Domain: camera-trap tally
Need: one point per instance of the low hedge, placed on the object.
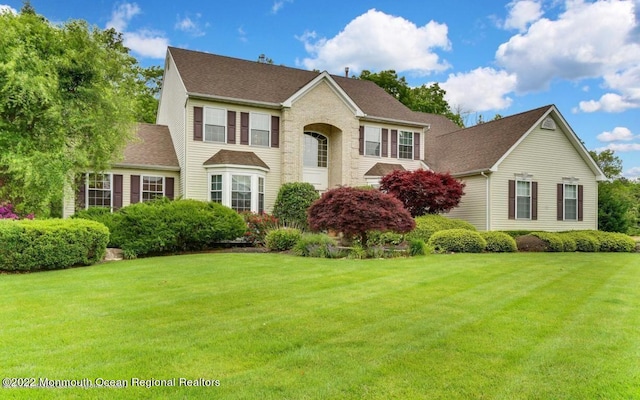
(102, 215)
(457, 241)
(499, 242)
(31, 245)
(553, 241)
(613, 241)
(584, 241)
(165, 226)
(282, 239)
(318, 245)
(427, 225)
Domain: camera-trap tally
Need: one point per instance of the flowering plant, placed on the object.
(7, 212)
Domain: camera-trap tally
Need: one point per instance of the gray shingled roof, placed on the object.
(241, 80)
(224, 157)
(478, 147)
(382, 169)
(154, 148)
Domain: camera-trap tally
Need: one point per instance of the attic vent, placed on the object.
(549, 124)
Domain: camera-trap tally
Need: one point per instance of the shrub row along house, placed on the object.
(233, 131)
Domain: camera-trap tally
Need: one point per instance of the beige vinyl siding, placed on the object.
(199, 151)
(69, 200)
(473, 205)
(549, 156)
(171, 112)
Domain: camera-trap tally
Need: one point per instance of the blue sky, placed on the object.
(491, 57)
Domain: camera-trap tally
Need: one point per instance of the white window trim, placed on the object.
(204, 125)
(564, 201)
(142, 185)
(412, 145)
(251, 114)
(227, 172)
(530, 199)
(86, 189)
(379, 141)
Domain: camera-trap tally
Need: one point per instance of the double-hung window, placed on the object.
(570, 202)
(405, 145)
(523, 199)
(260, 128)
(260, 195)
(215, 122)
(372, 137)
(99, 190)
(241, 192)
(216, 188)
(239, 189)
(152, 187)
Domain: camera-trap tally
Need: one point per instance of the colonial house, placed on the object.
(233, 131)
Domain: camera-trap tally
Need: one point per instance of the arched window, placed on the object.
(315, 150)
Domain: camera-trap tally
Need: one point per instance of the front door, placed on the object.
(315, 160)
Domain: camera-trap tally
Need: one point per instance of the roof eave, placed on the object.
(147, 167)
(232, 100)
(395, 121)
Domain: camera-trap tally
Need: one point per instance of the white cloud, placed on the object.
(633, 173)
(378, 41)
(6, 8)
(627, 83)
(620, 147)
(589, 39)
(521, 14)
(121, 16)
(278, 4)
(618, 133)
(190, 26)
(144, 42)
(482, 89)
(609, 102)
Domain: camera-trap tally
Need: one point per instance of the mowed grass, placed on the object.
(273, 326)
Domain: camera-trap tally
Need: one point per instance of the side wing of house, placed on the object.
(545, 183)
(473, 206)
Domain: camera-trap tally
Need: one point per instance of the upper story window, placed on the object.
(260, 129)
(215, 122)
(372, 137)
(99, 190)
(405, 145)
(152, 187)
(523, 199)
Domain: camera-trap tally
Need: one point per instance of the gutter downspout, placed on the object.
(487, 199)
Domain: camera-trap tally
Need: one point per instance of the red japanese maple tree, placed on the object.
(355, 211)
(422, 191)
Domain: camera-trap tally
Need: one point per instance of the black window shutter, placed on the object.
(117, 192)
(275, 131)
(135, 189)
(385, 142)
(580, 202)
(244, 128)
(361, 141)
(197, 123)
(534, 200)
(231, 127)
(416, 145)
(81, 201)
(394, 143)
(512, 199)
(168, 187)
(560, 202)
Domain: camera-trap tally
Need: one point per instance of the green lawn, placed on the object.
(272, 326)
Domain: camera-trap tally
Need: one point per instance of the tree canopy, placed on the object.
(609, 163)
(427, 99)
(68, 103)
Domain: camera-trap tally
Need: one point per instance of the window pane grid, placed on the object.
(216, 188)
(523, 200)
(570, 202)
(260, 195)
(315, 150)
(372, 141)
(405, 145)
(214, 124)
(241, 193)
(99, 190)
(152, 187)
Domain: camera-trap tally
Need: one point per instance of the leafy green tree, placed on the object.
(294, 198)
(615, 207)
(67, 104)
(428, 99)
(149, 86)
(608, 162)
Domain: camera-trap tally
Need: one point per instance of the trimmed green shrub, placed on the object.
(427, 225)
(515, 234)
(585, 242)
(282, 239)
(163, 226)
(457, 241)
(31, 245)
(569, 244)
(294, 198)
(499, 242)
(377, 238)
(317, 245)
(614, 242)
(102, 215)
(552, 240)
(417, 247)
